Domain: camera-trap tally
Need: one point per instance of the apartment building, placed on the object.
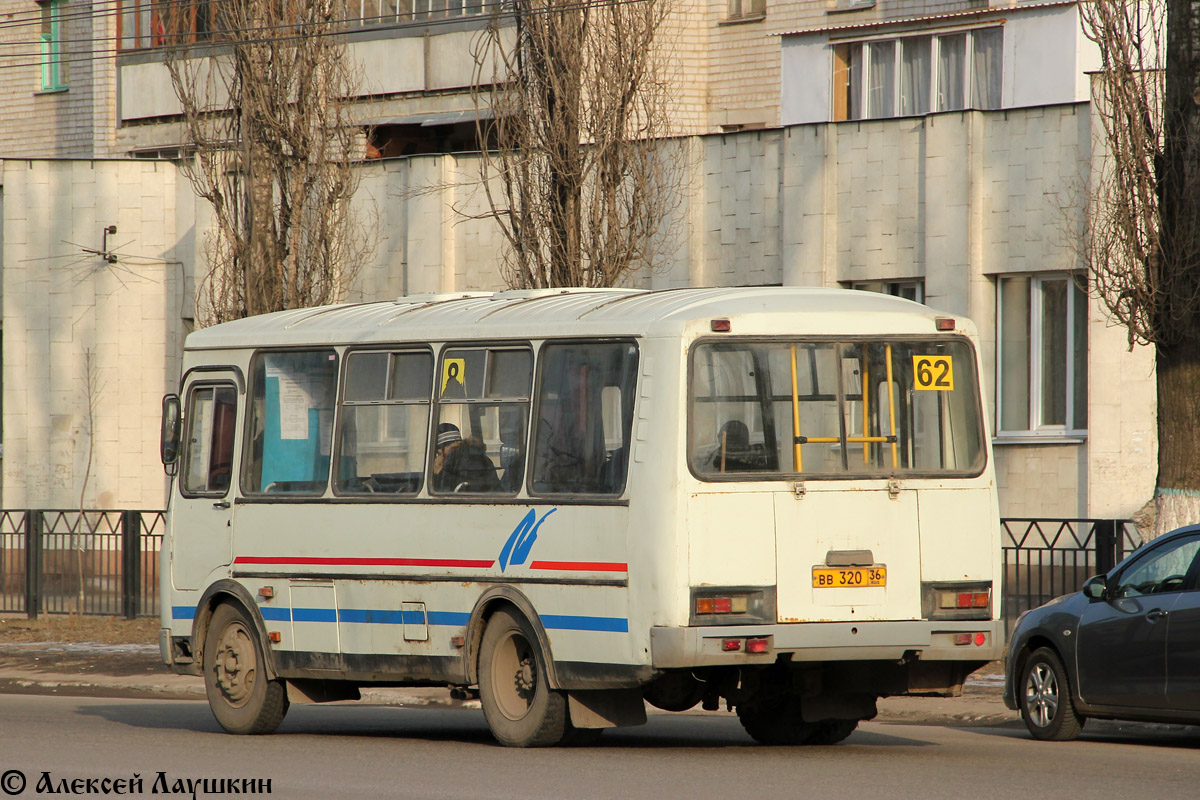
(936, 150)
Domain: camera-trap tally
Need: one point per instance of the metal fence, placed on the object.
(106, 562)
(1044, 558)
(80, 562)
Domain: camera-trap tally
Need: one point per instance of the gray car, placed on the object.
(1125, 647)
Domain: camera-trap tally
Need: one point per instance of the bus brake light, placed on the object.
(731, 645)
(759, 645)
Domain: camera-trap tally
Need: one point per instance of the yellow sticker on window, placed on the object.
(933, 373)
(454, 371)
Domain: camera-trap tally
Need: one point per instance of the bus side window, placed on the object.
(384, 422)
(291, 422)
(585, 416)
(482, 412)
(208, 462)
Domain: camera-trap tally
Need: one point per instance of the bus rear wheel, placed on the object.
(776, 723)
(520, 707)
(240, 695)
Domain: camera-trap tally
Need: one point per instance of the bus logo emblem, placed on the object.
(520, 542)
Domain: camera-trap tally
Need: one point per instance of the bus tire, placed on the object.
(520, 707)
(832, 731)
(240, 695)
(777, 723)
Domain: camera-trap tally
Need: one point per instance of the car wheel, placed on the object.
(1046, 704)
(240, 695)
(520, 707)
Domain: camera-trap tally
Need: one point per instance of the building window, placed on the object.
(913, 75)
(1041, 380)
(910, 290)
(747, 9)
(53, 59)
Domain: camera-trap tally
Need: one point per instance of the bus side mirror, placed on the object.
(169, 438)
(1096, 587)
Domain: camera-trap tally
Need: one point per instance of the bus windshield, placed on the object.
(834, 409)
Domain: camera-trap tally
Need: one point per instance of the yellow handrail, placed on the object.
(866, 382)
(892, 408)
(797, 458)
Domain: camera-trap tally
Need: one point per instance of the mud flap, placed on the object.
(607, 708)
(838, 706)
(308, 690)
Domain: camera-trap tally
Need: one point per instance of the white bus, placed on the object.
(574, 502)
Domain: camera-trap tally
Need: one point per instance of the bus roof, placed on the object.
(574, 312)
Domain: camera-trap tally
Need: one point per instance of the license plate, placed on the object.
(848, 577)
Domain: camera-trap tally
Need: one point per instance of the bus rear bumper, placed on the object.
(726, 645)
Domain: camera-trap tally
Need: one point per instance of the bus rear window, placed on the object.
(878, 407)
(291, 422)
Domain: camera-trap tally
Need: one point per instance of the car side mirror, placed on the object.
(169, 437)
(1096, 587)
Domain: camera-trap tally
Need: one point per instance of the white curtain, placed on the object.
(952, 53)
(985, 69)
(881, 91)
(1013, 371)
(914, 75)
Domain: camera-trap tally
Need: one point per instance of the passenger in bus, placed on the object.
(512, 456)
(733, 452)
(462, 465)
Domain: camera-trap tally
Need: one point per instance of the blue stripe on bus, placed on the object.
(457, 618)
(565, 622)
(558, 622)
(380, 616)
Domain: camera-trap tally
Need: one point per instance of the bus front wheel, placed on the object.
(520, 707)
(240, 695)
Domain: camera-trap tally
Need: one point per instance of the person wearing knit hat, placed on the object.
(447, 434)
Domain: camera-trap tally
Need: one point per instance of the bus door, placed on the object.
(201, 515)
(847, 555)
(855, 431)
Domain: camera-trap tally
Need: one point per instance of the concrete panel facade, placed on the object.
(954, 200)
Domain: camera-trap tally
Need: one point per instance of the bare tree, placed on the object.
(1144, 220)
(264, 86)
(576, 173)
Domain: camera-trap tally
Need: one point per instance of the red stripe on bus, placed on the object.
(582, 566)
(368, 562)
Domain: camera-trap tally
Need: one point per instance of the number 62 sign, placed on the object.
(933, 373)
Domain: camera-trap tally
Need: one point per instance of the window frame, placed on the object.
(893, 288)
(400, 348)
(618, 498)
(185, 450)
(1036, 428)
(849, 475)
(841, 73)
(435, 416)
(245, 466)
(51, 47)
(746, 10)
(1166, 548)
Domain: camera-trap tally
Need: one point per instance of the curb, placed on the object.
(978, 708)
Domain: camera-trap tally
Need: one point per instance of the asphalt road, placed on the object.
(372, 752)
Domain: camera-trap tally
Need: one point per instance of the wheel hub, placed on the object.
(235, 665)
(1041, 695)
(516, 676)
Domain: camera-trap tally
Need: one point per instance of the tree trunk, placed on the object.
(1176, 499)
